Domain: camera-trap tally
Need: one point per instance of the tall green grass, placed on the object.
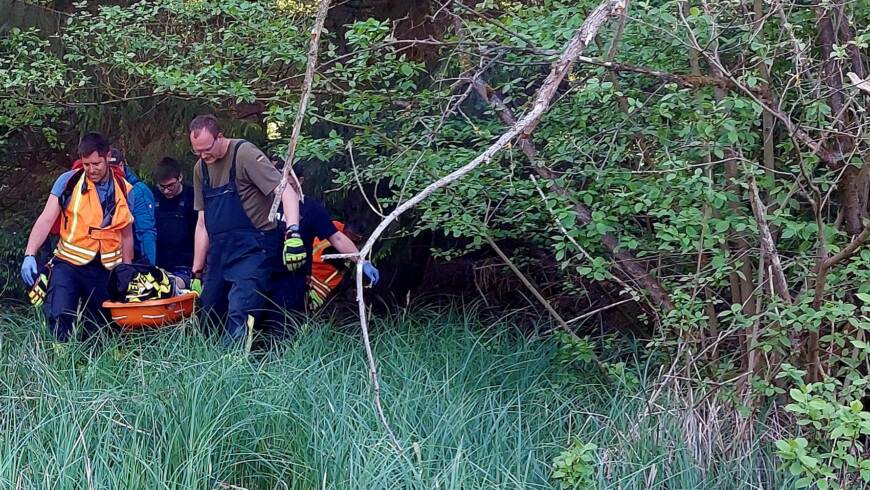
(475, 404)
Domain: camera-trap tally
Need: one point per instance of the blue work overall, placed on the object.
(239, 260)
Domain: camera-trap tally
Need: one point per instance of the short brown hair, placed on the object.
(93, 142)
(207, 122)
(167, 168)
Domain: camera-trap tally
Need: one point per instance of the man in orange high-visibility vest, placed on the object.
(96, 234)
(326, 275)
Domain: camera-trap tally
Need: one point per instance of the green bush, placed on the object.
(11, 252)
(576, 466)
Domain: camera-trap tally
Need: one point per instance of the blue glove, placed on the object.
(29, 270)
(371, 272)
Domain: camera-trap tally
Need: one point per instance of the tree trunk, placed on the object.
(832, 21)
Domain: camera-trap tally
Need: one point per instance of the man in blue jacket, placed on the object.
(144, 226)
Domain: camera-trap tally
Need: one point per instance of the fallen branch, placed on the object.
(582, 37)
(300, 114)
(531, 287)
(768, 246)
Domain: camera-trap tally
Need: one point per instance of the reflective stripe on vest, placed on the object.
(81, 237)
(324, 276)
(324, 288)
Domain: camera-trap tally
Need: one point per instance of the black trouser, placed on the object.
(286, 302)
(73, 289)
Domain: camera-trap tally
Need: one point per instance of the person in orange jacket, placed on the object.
(96, 234)
(326, 275)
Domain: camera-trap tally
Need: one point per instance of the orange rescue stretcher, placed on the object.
(152, 314)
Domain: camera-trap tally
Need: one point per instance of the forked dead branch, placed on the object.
(522, 129)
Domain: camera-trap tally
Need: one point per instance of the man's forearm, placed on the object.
(37, 236)
(200, 247)
(127, 252)
(290, 205)
(344, 245)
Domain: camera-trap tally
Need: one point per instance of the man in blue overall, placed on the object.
(236, 247)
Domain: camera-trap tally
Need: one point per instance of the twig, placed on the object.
(300, 114)
(858, 83)
(373, 368)
(599, 310)
(849, 249)
(531, 287)
(362, 191)
(826, 264)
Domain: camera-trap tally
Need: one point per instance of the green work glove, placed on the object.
(314, 300)
(294, 249)
(196, 283)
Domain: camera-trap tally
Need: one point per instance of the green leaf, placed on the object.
(803, 482)
(782, 446)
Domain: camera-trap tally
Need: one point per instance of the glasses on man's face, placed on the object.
(167, 187)
(207, 151)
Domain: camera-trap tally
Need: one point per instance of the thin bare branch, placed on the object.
(303, 103)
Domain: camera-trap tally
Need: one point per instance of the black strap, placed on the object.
(206, 179)
(67, 192)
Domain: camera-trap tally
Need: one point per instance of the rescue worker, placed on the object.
(96, 234)
(235, 245)
(326, 274)
(289, 288)
(175, 216)
(141, 202)
(142, 207)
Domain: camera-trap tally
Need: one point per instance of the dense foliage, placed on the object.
(707, 160)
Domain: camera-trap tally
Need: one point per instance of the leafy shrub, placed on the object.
(835, 455)
(575, 466)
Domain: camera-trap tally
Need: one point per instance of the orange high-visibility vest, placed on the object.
(324, 276)
(81, 236)
(77, 165)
